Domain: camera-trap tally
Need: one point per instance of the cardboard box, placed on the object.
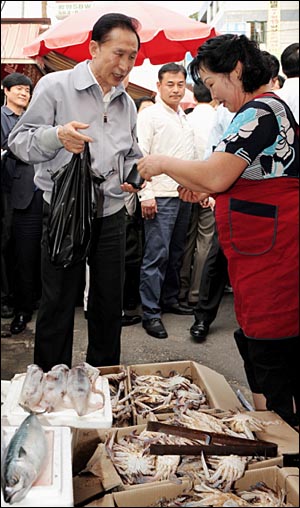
(85, 442)
(278, 432)
(218, 392)
(150, 494)
(106, 501)
(98, 476)
(54, 486)
(93, 471)
(274, 477)
(15, 414)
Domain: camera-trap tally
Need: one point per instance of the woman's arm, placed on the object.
(215, 174)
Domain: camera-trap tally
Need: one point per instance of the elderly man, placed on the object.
(68, 108)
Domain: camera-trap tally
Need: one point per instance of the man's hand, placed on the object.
(148, 208)
(73, 140)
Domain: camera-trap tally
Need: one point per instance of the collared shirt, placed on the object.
(108, 95)
(201, 120)
(290, 94)
(161, 130)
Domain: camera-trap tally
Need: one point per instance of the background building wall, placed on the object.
(275, 25)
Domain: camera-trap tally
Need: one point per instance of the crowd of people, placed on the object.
(217, 208)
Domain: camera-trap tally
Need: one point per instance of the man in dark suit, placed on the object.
(23, 212)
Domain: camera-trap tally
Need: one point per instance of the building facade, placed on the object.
(275, 25)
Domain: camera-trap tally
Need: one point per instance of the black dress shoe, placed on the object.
(199, 330)
(155, 328)
(18, 324)
(130, 320)
(176, 308)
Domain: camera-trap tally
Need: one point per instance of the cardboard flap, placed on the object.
(278, 432)
(150, 494)
(104, 502)
(218, 390)
(86, 486)
(101, 466)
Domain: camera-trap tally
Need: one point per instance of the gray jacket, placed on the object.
(64, 96)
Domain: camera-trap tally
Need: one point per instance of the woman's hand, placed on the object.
(151, 165)
(189, 196)
(127, 187)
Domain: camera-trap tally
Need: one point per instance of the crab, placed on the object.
(245, 423)
(217, 498)
(129, 459)
(261, 495)
(201, 421)
(166, 467)
(228, 469)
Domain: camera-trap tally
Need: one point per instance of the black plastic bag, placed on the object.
(70, 214)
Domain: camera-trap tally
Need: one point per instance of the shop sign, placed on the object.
(65, 9)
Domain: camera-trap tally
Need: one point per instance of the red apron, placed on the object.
(258, 228)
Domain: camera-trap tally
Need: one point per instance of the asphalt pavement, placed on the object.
(218, 351)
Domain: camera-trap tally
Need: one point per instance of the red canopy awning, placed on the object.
(166, 36)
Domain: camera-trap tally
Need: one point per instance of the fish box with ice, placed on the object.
(48, 449)
(77, 397)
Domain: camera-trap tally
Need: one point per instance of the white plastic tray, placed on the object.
(102, 418)
(54, 487)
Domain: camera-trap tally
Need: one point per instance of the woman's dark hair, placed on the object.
(171, 67)
(16, 79)
(221, 55)
(108, 22)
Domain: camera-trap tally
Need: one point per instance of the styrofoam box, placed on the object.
(54, 487)
(101, 418)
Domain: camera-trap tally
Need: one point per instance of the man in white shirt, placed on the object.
(202, 223)
(164, 129)
(290, 90)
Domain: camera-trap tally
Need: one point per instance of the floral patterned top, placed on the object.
(263, 133)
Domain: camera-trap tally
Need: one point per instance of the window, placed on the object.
(258, 31)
